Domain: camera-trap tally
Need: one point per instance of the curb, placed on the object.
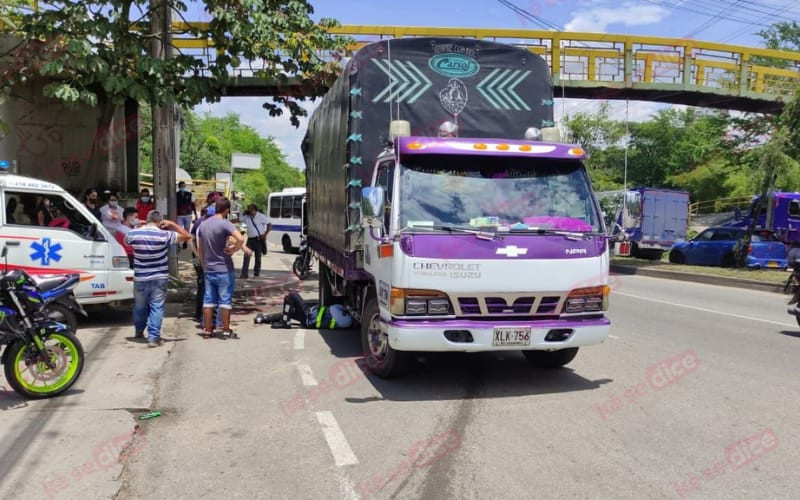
(267, 288)
(699, 278)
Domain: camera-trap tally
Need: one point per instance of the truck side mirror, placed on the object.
(4, 253)
(372, 199)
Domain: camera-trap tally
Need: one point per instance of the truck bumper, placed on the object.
(432, 336)
(655, 245)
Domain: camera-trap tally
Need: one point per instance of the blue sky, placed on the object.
(727, 21)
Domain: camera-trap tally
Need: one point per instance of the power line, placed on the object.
(741, 31)
(540, 21)
(712, 20)
(664, 3)
(744, 7)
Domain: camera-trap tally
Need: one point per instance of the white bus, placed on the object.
(286, 211)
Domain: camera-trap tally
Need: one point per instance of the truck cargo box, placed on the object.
(488, 89)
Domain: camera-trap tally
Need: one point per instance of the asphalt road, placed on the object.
(694, 395)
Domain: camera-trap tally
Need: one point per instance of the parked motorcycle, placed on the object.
(42, 357)
(58, 299)
(302, 263)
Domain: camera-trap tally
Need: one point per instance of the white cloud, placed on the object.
(598, 19)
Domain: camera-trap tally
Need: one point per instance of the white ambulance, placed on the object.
(74, 241)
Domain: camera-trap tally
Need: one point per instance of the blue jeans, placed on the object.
(148, 306)
(219, 290)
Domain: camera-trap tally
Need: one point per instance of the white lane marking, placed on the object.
(299, 340)
(740, 316)
(613, 336)
(346, 486)
(342, 453)
(306, 375)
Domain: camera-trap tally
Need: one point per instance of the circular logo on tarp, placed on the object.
(454, 65)
(454, 97)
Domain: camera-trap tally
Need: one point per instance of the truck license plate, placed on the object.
(511, 336)
(772, 264)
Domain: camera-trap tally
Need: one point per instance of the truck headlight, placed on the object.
(590, 299)
(120, 261)
(411, 302)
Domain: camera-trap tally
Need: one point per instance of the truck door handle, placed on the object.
(12, 243)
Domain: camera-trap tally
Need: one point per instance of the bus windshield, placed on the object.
(522, 193)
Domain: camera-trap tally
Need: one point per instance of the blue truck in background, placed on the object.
(651, 221)
(780, 213)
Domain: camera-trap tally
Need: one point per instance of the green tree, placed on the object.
(207, 143)
(600, 137)
(674, 142)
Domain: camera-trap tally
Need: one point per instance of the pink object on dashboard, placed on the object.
(558, 223)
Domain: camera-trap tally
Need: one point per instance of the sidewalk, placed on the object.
(276, 277)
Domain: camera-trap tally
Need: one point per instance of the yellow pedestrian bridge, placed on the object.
(596, 65)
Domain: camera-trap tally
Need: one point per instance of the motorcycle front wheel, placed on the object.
(30, 375)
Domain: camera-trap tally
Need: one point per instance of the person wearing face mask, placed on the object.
(145, 204)
(90, 200)
(111, 213)
(186, 207)
(44, 212)
(130, 221)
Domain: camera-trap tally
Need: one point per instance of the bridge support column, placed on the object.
(164, 151)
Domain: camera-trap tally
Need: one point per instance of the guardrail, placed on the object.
(720, 205)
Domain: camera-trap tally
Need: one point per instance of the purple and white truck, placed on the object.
(439, 215)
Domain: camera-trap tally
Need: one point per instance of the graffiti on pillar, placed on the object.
(35, 139)
(72, 168)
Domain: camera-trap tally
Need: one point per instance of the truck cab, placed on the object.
(483, 245)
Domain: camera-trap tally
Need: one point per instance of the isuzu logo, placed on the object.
(512, 251)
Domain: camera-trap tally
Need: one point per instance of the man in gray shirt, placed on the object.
(214, 252)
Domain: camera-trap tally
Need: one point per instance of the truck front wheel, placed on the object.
(551, 359)
(381, 359)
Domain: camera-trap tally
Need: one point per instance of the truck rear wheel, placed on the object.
(381, 359)
(551, 359)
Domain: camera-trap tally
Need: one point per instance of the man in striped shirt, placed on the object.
(151, 244)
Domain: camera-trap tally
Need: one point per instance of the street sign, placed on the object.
(245, 161)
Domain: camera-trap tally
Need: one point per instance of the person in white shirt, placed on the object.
(111, 213)
(257, 229)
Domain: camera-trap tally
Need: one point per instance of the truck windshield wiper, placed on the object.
(558, 232)
(484, 235)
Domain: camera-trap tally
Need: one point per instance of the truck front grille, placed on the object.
(508, 304)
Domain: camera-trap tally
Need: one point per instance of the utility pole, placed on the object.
(164, 152)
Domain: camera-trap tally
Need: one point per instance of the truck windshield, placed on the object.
(485, 191)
